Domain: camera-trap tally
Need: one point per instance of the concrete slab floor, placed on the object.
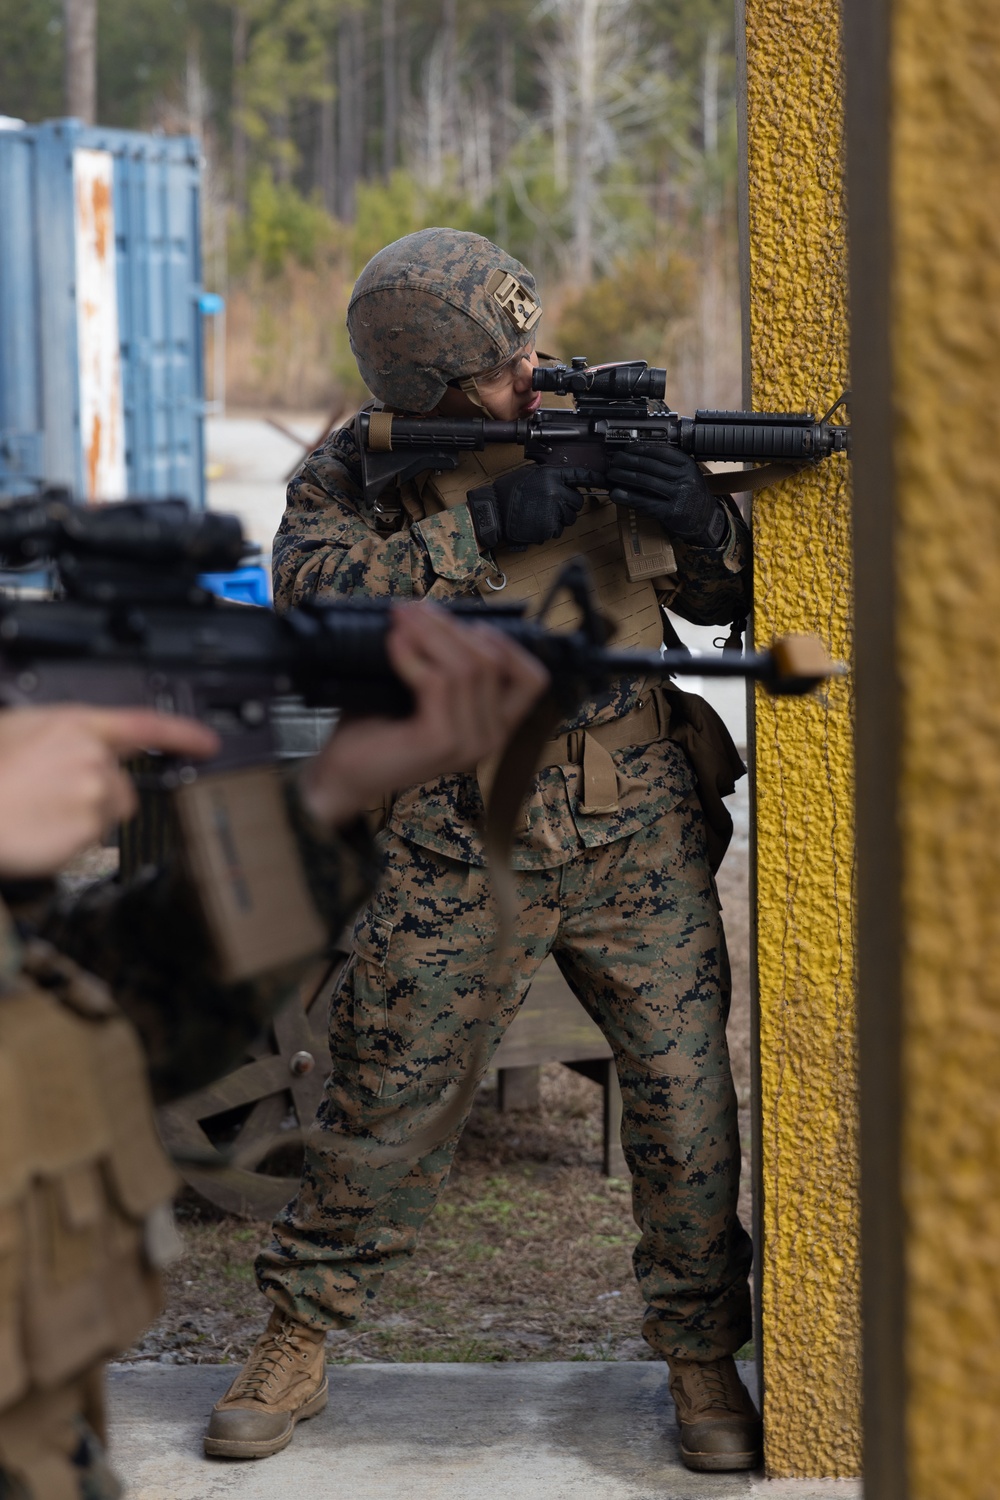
(556, 1431)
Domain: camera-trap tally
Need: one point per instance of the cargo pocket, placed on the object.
(392, 1027)
(360, 1024)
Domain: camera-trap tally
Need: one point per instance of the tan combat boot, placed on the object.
(720, 1428)
(283, 1382)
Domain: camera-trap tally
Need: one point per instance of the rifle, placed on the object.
(133, 626)
(615, 405)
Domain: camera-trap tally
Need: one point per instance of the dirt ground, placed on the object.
(526, 1257)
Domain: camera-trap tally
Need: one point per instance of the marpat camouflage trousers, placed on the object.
(635, 928)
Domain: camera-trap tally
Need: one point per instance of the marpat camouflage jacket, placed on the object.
(331, 543)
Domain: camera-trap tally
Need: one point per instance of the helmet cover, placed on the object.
(436, 306)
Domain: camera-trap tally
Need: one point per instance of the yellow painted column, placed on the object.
(925, 189)
(946, 330)
(808, 1241)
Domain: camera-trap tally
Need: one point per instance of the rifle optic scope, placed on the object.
(631, 380)
(145, 533)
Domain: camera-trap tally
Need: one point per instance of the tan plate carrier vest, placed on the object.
(85, 1190)
(627, 557)
(606, 537)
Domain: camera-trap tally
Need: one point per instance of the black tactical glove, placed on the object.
(530, 505)
(665, 483)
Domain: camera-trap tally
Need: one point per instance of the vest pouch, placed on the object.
(138, 1169)
(15, 1131)
(67, 1320)
(14, 1171)
(37, 1441)
(88, 1291)
(63, 1203)
(62, 1110)
(715, 761)
(13, 1366)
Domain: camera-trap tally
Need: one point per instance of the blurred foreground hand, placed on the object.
(472, 688)
(61, 785)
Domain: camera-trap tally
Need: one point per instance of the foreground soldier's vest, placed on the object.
(84, 1210)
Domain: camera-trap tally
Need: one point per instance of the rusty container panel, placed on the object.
(102, 418)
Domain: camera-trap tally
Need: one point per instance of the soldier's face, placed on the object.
(506, 392)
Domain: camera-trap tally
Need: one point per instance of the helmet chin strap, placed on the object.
(469, 388)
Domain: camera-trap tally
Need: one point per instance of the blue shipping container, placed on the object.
(101, 380)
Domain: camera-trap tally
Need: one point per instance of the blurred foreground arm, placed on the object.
(472, 688)
(147, 940)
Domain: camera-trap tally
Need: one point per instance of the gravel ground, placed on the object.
(526, 1256)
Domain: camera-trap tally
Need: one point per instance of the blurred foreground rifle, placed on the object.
(133, 626)
(615, 405)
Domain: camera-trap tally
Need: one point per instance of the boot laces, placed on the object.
(710, 1386)
(270, 1359)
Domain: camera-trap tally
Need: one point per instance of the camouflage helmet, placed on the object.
(435, 306)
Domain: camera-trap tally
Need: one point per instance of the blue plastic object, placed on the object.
(19, 583)
(157, 271)
(211, 304)
(250, 585)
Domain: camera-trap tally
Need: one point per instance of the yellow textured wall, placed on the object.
(798, 330)
(946, 353)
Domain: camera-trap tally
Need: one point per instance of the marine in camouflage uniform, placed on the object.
(84, 1184)
(617, 887)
